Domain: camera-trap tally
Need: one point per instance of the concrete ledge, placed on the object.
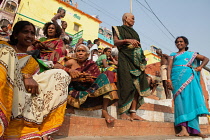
(164, 102)
(148, 114)
(89, 126)
(156, 137)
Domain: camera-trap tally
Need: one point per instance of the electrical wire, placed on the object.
(155, 23)
(106, 11)
(159, 20)
(100, 11)
(162, 46)
(120, 20)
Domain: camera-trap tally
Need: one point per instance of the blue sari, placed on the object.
(188, 98)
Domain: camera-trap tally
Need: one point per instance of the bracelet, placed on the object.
(132, 111)
(169, 80)
(27, 76)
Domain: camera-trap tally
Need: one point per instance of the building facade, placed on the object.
(41, 11)
(8, 9)
(151, 55)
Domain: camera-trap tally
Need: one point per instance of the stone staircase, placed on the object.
(158, 115)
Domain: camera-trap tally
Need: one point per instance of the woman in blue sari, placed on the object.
(184, 80)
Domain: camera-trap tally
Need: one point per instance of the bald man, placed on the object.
(132, 82)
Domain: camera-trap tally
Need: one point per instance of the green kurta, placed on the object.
(130, 72)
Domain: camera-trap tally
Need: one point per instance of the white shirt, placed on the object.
(59, 22)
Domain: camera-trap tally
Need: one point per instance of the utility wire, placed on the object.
(107, 12)
(120, 20)
(162, 46)
(144, 6)
(100, 10)
(159, 19)
(157, 25)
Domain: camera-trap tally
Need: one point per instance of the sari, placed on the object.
(54, 51)
(89, 96)
(130, 72)
(27, 116)
(187, 92)
(101, 65)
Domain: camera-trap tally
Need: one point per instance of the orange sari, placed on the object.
(32, 116)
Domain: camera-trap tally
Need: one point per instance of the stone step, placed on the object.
(89, 126)
(156, 137)
(151, 110)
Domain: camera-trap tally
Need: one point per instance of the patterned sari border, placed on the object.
(178, 54)
(183, 86)
(53, 39)
(4, 119)
(125, 108)
(30, 136)
(38, 123)
(50, 131)
(117, 32)
(192, 59)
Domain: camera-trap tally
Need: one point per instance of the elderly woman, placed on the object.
(52, 46)
(90, 89)
(30, 107)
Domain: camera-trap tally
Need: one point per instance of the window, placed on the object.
(10, 6)
(76, 27)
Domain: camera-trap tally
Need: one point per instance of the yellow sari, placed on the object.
(32, 116)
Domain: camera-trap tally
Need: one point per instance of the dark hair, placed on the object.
(16, 29)
(89, 42)
(95, 41)
(185, 41)
(63, 21)
(106, 49)
(58, 29)
(3, 26)
(95, 50)
(60, 9)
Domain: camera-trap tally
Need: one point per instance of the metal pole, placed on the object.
(131, 6)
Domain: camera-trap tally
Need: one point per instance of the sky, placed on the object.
(189, 18)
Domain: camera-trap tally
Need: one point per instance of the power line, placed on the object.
(106, 11)
(162, 46)
(116, 19)
(100, 11)
(159, 19)
(144, 6)
(156, 25)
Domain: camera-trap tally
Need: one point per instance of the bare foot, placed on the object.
(70, 110)
(182, 134)
(136, 117)
(202, 135)
(124, 116)
(108, 118)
